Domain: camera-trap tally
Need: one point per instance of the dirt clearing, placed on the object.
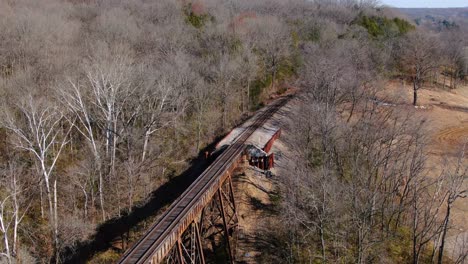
(446, 113)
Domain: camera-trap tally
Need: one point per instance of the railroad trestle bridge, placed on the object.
(204, 213)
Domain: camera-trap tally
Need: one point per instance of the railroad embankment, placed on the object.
(258, 194)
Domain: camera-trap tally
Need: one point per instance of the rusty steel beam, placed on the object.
(161, 238)
(200, 244)
(225, 225)
(219, 212)
(179, 251)
(231, 192)
(195, 209)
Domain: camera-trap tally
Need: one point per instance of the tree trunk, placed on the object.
(101, 193)
(113, 162)
(415, 94)
(444, 233)
(248, 94)
(273, 77)
(351, 112)
(85, 204)
(414, 227)
(50, 198)
(97, 160)
(224, 117)
(42, 201)
(443, 73)
(145, 145)
(17, 217)
(359, 246)
(108, 137)
(455, 75)
(92, 208)
(322, 242)
(55, 222)
(5, 237)
(451, 77)
(199, 128)
(415, 254)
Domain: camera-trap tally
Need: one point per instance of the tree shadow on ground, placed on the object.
(258, 205)
(118, 227)
(268, 237)
(270, 241)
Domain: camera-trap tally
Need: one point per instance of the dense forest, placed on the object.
(103, 101)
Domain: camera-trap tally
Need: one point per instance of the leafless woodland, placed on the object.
(105, 101)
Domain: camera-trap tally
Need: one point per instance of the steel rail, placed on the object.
(160, 238)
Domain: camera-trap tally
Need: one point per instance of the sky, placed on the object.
(426, 3)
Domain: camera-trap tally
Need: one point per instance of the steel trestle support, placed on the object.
(217, 222)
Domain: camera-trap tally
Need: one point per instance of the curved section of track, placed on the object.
(162, 236)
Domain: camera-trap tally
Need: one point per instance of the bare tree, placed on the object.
(201, 100)
(249, 71)
(13, 208)
(419, 58)
(100, 106)
(452, 49)
(426, 205)
(454, 177)
(83, 178)
(164, 98)
(461, 250)
(110, 83)
(157, 99)
(41, 132)
(223, 74)
(274, 42)
(84, 120)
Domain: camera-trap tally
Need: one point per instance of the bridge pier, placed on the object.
(218, 218)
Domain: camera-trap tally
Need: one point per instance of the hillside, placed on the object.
(438, 18)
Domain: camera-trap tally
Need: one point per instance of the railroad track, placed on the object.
(160, 238)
